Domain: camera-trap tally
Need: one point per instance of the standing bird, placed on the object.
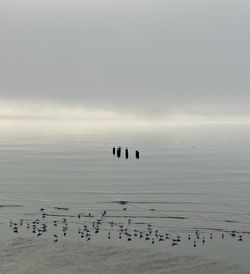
(137, 154)
(113, 150)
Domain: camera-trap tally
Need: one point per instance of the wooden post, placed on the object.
(126, 153)
(119, 152)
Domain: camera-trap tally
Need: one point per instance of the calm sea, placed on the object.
(194, 176)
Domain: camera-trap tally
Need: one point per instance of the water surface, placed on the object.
(189, 176)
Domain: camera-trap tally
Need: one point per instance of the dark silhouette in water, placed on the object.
(126, 153)
(119, 152)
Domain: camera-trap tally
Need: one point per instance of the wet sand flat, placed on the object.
(22, 256)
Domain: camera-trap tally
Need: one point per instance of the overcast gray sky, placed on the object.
(145, 56)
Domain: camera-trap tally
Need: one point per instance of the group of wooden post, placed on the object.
(118, 151)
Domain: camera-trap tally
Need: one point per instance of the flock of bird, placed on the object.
(86, 228)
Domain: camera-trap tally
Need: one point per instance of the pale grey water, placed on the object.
(199, 172)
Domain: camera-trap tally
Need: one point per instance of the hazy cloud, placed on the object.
(141, 56)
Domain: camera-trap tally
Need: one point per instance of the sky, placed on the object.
(136, 57)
